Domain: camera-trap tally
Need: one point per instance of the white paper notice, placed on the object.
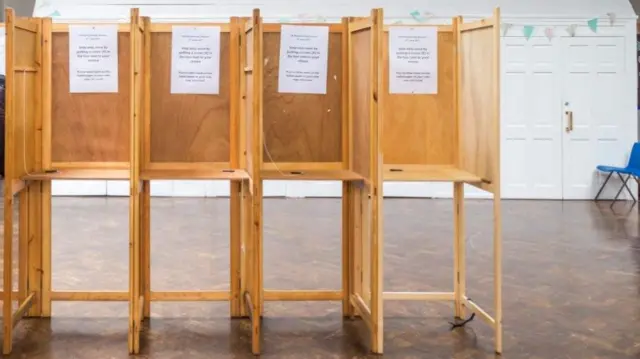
(2, 51)
(413, 60)
(303, 59)
(195, 60)
(93, 58)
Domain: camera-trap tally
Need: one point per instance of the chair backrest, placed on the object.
(634, 158)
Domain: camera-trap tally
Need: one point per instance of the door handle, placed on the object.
(569, 115)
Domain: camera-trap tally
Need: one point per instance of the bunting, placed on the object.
(527, 30)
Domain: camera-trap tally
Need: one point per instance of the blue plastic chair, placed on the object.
(632, 170)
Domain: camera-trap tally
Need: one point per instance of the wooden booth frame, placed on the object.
(286, 148)
(65, 137)
(194, 137)
(457, 141)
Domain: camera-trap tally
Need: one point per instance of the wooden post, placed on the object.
(497, 214)
(459, 274)
(377, 244)
(8, 184)
(145, 238)
(236, 229)
(45, 201)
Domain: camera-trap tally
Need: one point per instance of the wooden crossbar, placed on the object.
(190, 296)
(89, 296)
(362, 309)
(302, 295)
(479, 311)
(23, 308)
(428, 296)
(27, 26)
(249, 304)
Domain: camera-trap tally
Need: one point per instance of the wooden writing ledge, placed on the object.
(311, 175)
(78, 174)
(193, 174)
(409, 173)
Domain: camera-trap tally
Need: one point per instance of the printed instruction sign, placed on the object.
(303, 59)
(93, 58)
(195, 60)
(413, 60)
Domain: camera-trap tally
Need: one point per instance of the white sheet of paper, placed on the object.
(413, 60)
(2, 51)
(93, 58)
(303, 59)
(195, 60)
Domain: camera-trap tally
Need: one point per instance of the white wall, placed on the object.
(113, 9)
(540, 12)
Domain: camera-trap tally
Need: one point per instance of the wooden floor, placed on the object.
(571, 281)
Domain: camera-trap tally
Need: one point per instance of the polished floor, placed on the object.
(571, 281)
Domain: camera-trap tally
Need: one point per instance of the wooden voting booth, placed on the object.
(452, 136)
(302, 136)
(248, 132)
(53, 133)
(189, 136)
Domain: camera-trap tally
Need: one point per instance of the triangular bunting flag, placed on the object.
(548, 32)
(593, 24)
(571, 30)
(505, 28)
(415, 14)
(55, 13)
(527, 30)
(612, 18)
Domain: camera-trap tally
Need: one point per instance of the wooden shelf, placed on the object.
(409, 173)
(312, 175)
(80, 174)
(187, 174)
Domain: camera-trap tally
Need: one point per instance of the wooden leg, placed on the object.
(497, 253)
(145, 238)
(35, 248)
(246, 245)
(45, 222)
(8, 271)
(356, 241)
(257, 289)
(134, 269)
(377, 245)
(23, 245)
(459, 249)
(235, 247)
(347, 236)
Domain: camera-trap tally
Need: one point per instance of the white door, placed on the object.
(531, 118)
(592, 79)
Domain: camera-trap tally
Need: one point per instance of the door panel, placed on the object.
(531, 118)
(594, 67)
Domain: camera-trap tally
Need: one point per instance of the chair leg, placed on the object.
(604, 184)
(624, 184)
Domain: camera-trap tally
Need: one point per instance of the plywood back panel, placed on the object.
(188, 127)
(302, 127)
(479, 132)
(360, 94)
(421, 129)
(89, 127)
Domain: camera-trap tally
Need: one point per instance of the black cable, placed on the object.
(463, 323)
